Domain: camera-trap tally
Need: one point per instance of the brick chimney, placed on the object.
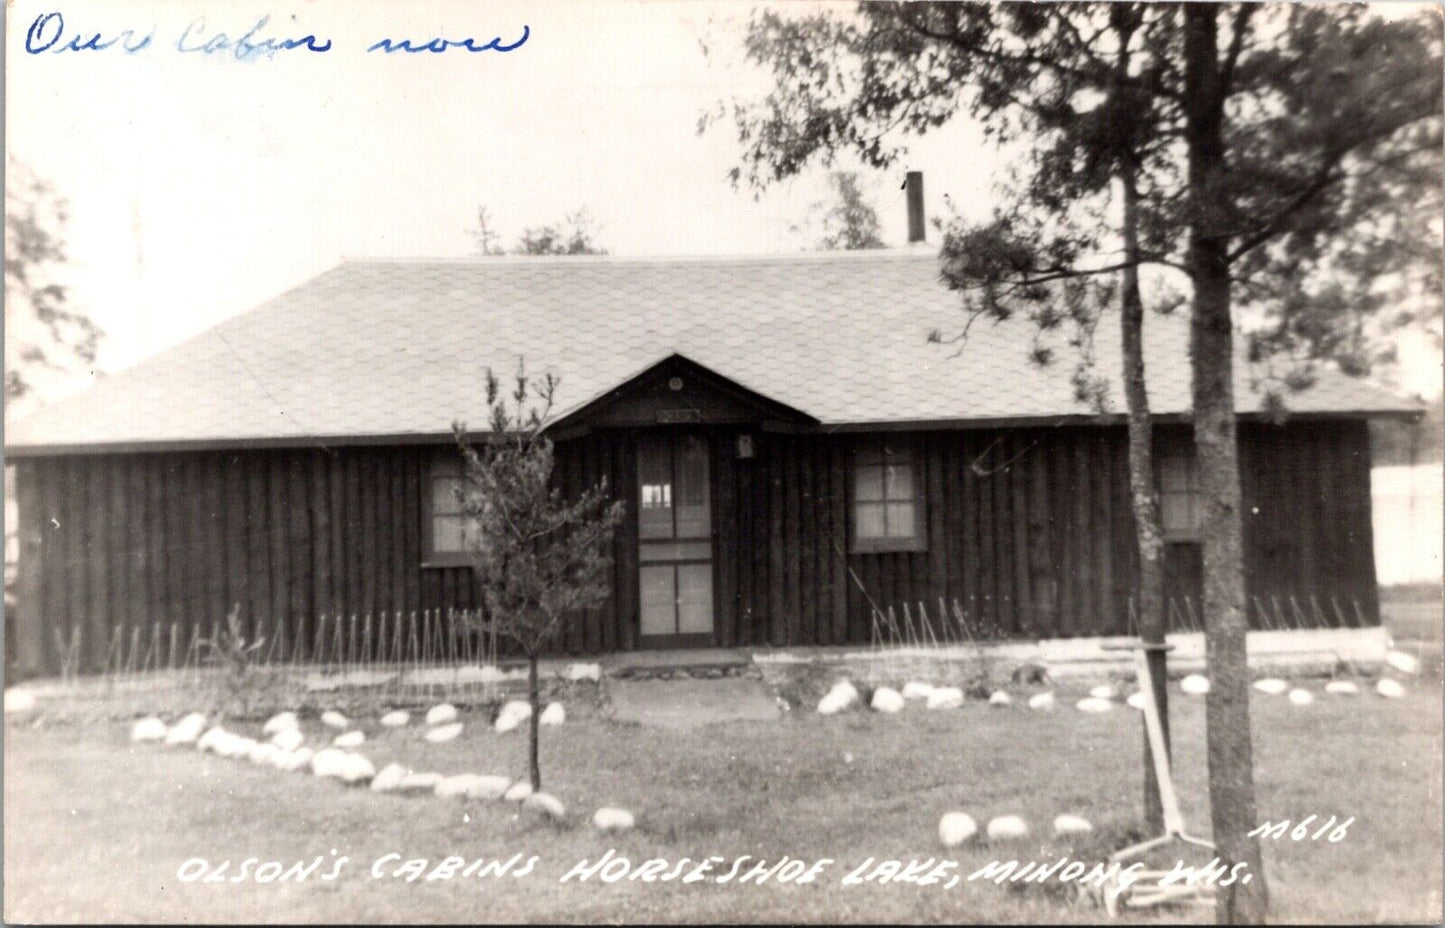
(913, 185)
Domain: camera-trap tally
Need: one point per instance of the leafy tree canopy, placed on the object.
(44, 337)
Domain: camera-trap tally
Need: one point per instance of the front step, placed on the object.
(699, 663)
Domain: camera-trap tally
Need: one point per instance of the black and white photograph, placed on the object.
(723, 461)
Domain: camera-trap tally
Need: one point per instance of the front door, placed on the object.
(675, 540)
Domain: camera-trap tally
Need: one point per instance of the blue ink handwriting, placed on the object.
(46, 32)
(245, 48)
(439, 45)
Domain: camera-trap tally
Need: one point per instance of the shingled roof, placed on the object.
(396, 350)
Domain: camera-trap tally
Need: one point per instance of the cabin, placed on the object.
(803, 447)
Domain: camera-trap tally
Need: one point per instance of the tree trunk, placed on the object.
(1227, 730)
(533, 723)
(1142, 490)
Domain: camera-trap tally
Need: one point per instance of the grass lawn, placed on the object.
(96, 828)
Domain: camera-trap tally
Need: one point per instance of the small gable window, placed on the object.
(446, 535)
(887, 496)
(1181, 512)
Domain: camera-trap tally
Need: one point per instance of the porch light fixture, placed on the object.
(745, 446)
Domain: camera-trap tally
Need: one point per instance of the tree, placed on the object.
(851, 222)
(576, 234)
(44, 337)
(1265, 156)
(538, 556)
(485, 235)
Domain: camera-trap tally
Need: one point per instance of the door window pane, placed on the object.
(694, 599)
(694, 515)
(659, 600)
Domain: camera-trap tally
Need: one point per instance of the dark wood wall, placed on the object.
(1029, 530)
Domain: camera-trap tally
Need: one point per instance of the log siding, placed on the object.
(1028, 529)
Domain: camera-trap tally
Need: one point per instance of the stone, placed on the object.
(1342, 688)
(545, 803)
(955, 828)
(333, 719)
(357, 769)
(419, 783)
(442, 714)
(1272, 686)
(1301, 697)
(1390, 689)
(1007, 828)
(1000, 699)
(1405, 663)
(915, 690)
(1042, 702)
(262, 753)
(288, 739)
(330, 762)
(211, 739)
(488, 787)
(444, 733)
(187, 730)
(1094, 705)
(1195, 684)
(1104, 691)
(456, 786)
(281, 721)
(299, 759)
(842, 696)
(1136, 699)
(553, 715)
(1072, 825)
(398, 718)
(18, 701)
(610, 819)
(349, 740)
(389, 778)
(945, 697)
(887, 700)
(518, 791)
(513, 713)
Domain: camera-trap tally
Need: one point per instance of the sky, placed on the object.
(199, 185)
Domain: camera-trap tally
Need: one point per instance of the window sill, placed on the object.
(439, 561)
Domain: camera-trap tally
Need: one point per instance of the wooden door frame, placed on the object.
(676, 641)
